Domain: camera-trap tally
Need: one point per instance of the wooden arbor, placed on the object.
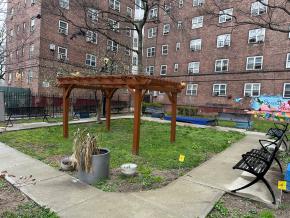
(137, 85)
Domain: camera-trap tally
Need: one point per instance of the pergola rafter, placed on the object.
(137, 85)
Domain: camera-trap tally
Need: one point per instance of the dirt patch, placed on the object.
(234, 206)
(10, 197)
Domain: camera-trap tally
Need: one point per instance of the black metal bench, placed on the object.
(278, 130)
(259, 161)
(21, 112)
(242, 120)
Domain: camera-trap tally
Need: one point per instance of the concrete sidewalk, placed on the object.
(192, 195)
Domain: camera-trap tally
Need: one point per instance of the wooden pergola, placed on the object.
(136, 84)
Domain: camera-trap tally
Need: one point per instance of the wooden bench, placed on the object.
(259, 161)
(243, 121)
(21, 112)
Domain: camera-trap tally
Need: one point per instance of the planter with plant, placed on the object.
(92, 162)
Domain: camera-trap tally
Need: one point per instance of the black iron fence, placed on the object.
(52, 104)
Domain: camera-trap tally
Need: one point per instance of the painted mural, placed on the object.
(274, 108)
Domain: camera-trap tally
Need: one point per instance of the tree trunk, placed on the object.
(140, 53)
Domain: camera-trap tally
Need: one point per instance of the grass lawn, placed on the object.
(157, 154)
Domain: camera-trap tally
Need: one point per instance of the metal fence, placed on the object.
(52, 104)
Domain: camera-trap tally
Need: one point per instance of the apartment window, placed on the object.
(164, 50)
(286, 90)
(62, 53)
(223, 40)
(63, 27)
(197, 22)
(127, 51)
(11, 33)
(31, 51)
(252, 89)
(193, 67)
(259, 7)
(226, 15)
(153, 13)
(197, 3)
(219, 89)
(175, 68)
(91, 37)
(64, 4)
(24, 26)
(163, 70)
(32, 24)
(45, 84)
(167, 8)
(129, 12)
(150, 70)
(195, 45)
(151, 52)
(177, 46)
(152, 32)
(257, 35)
(134, 61)
(91, 60)
(288, 61)
(22, 51)
(166, 29)
(289, 32)
(115, 5)
(128, 31)
(180, 3)
(92, 14)
(179, 25)
(33, 2)
(254, 63)
(221, 65)
(112, 46)
(18, 28)
(114, 25)
(29, 76)
(135, 42)
(191, 89)
(10, 77)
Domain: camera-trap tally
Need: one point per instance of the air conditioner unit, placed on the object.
(226, 45)
(52, 47)
(62, 31)
(247, 95)
(155, 93)
(62, 57)
(260, 41)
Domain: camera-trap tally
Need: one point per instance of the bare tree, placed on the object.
(269, 14)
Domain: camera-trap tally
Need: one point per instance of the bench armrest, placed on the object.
(244, 156)
(263, 141)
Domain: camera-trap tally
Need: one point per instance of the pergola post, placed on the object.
(137, 119)
(173, 99)
(66, 93)
(108, 94)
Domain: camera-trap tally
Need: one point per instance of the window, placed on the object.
(29, 76)
(221, 65)
(32, 24)
(167, 8)
(286, 90)
(24, 26)
(197, 3)
(129, 12)
(252, 89)
(115, 5)
(92, 14)
(175, 68)
(11, 33)
(63, 27)
(163, 70)
(197, 22)
(191, 89)
(195, 45)
(164, 50)
(153, 13)
(64, 4)
(45, 84)
(177, 46)
(289, 32)
(226, 15)
(288, 61)
(257, 35)
(62, 53)
(179, 25)
(134, 61)
(152, 32)
(180, 3)
(135, 42)
(128, 31)
(254, 63)
(91, 37)
(193, 68)
(219, 90)
(91, 60)
(33, 2)
(151, 52)
(112, 46)
(18, 28)
(31, 51)
(259, 7)
(114, 25)
(223, 40)
(127, 51)
(166, 29)
(150, 70)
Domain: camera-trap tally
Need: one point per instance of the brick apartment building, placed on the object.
(218, 64)
(42, 44)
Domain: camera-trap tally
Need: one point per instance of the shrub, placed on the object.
(187, 111)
